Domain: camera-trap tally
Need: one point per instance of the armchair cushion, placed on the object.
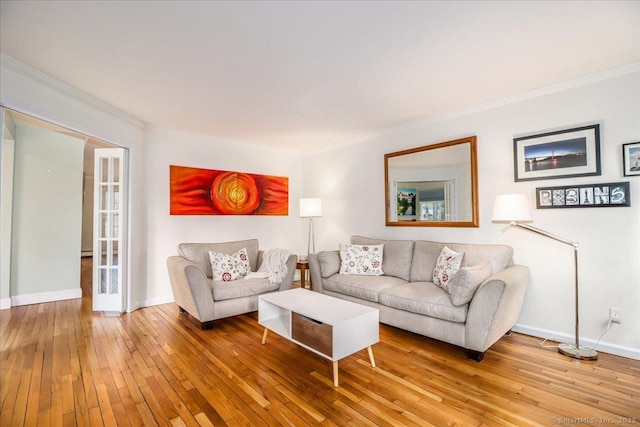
(241, 288)
(198, 253)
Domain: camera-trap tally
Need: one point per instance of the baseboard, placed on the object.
(42, 297)
(151, 302)
(604, 347)
(5, 303)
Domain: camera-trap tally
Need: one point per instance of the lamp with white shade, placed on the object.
(311, 208)
(514, 209)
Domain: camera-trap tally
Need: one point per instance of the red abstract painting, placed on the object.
(195, 191)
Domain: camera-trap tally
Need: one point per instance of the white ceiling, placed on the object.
(302, 75)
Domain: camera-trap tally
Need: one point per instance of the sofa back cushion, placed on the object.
(499, 256)
(425, 256)
(198, 253)
(329, 263)
(396, 260)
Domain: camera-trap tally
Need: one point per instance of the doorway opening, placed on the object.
(47, 212)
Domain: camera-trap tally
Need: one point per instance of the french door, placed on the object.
(109, 229)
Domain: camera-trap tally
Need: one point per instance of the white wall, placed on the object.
(350, 180)
(47, 212)
(87, 215)
(164, 147)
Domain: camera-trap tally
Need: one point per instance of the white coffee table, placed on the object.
(328, 326)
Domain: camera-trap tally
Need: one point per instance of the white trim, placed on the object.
(42, 297)
(57, 85)
(5, 303)
(604, 347)
(152, 302)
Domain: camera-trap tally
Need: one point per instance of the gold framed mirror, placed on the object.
(433, 186)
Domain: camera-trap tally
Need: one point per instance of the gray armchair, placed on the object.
(196, 293)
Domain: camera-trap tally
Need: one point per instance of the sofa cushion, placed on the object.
(425, 256)
(499, 256)
(241, 288)
(363, 260)
(198, 253)
(396, 261)
(329, 262)
(423, 298)
(363, 287)
(229, 267)
(467, 281)
(447, 266)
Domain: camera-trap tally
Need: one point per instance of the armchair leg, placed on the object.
(206, 325)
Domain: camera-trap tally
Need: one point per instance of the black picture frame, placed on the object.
(631, 158)
(559, 154)
(610, 194)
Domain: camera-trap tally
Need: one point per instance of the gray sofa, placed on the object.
(483, 306)
(196, 293)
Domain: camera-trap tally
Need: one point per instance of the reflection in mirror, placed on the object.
(433, 186)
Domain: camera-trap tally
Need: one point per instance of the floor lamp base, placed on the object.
(582, 353)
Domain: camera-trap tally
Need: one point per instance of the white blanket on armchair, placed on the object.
(274, 265)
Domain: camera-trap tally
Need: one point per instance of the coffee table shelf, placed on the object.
(328, 326)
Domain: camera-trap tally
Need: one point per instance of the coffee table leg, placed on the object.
(370, 350)
(335, 373)
(264, 336)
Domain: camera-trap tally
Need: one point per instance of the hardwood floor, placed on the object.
(62, 364)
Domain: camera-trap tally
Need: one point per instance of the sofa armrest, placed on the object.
(315, 272)
(287, 282)
(495, 307)
(191, 289)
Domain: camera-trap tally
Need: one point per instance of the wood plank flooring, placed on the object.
(62, 364)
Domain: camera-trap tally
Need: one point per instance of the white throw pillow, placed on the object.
(365, 260)
(226, 267)
(447, 266)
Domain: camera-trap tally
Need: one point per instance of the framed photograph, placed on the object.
(559, 154)
(631, 158)
(584, 196)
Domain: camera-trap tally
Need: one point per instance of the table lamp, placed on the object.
(514, 209)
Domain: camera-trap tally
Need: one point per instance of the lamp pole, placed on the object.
(566, 349)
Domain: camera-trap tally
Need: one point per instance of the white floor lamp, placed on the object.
(514, 209)
(311, 208)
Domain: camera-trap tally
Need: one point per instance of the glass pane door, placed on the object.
(108, 247)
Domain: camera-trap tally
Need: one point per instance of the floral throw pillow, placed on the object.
(447, 266)
(363, 260)
(226, 267)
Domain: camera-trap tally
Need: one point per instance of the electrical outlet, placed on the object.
(615, 314)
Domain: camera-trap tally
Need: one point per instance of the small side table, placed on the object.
(303, 266)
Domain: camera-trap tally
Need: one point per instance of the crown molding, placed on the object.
(611, 73)
(58, 86)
